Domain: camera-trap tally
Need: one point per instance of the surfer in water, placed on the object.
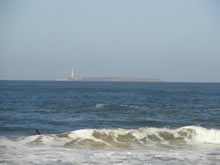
(37, 132)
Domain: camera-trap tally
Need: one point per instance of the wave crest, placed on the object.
(130, 138)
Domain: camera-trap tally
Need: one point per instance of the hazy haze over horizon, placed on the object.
(171, 40)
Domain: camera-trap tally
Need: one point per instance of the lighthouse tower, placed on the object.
(72, 75)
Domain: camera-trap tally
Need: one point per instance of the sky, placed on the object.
(176, 41)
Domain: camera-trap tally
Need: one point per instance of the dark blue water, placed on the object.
(55, 107)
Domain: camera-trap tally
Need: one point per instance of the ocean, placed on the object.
(109, 123)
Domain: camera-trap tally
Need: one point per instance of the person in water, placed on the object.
(37, 132)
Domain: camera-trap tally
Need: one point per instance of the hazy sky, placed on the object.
(174, 40)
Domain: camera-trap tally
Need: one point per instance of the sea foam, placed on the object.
(115, 146)
(129, 138)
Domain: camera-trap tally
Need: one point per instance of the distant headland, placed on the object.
(108, 79)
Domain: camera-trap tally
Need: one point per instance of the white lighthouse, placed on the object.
(72, 75)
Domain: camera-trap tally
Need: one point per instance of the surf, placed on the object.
(129, 138)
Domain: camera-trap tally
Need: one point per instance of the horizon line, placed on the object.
(114, 81)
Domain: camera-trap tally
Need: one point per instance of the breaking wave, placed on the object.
(129, 138)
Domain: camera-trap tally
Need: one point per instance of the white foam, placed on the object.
(99, 105)
(84, 133)
(204, 135)
(23, 155)
(26, 150)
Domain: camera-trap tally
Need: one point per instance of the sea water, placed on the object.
(109, 123)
